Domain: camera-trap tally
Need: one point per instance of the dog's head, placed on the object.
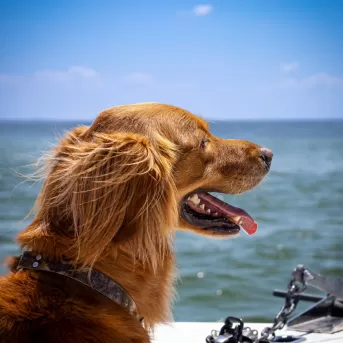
(137, 174)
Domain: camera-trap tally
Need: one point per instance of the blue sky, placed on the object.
(234, 59)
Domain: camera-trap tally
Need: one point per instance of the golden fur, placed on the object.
(111, 201)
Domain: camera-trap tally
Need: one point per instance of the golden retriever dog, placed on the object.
(98, 256)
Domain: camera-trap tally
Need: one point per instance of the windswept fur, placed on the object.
(95, 184)
(110, 201)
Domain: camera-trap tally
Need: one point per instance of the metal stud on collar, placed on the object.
(36, 264)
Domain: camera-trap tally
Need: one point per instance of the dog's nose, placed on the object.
(267, 156)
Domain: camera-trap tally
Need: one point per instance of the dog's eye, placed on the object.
(204, 143)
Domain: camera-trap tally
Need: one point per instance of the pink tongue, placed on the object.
(247, 223)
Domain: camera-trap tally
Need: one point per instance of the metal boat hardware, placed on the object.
(325, 316)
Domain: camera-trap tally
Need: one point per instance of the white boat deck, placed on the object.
(183, 332)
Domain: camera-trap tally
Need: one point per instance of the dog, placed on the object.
(98, 256)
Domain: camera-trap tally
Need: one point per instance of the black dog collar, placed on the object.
(93, 279)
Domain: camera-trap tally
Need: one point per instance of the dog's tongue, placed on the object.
(247, 223)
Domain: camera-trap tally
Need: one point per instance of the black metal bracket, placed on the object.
(326, 316)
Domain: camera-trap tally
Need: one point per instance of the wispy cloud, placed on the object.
(52, 76)
(51, 93)
(316, 80)
(71, 73)
(313, 81)
(75, 75)
(202, 10)
(76, 91)
(138, 78)
(289, 67)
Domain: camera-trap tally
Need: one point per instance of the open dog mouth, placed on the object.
(203, 210)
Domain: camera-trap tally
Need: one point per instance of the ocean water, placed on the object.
(299, 208)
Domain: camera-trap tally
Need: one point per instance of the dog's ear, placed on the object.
(112, 189)
(126, 192)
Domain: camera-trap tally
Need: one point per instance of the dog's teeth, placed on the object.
(202, 206)
(208, 211)
(195, 199)
(236, 219)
